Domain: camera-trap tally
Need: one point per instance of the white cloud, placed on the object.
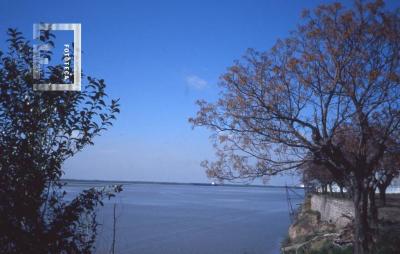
(196, 82)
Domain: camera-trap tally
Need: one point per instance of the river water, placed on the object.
(191, 219)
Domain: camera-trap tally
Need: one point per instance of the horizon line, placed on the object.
(180, 183)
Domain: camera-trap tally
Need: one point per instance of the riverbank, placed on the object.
(324, 225)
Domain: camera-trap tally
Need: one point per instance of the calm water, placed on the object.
(173, 219)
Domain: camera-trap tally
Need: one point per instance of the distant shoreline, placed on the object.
(81, 181)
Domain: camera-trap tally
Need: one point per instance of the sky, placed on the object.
(158, 57)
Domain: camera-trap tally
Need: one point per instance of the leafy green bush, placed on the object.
(38, 132)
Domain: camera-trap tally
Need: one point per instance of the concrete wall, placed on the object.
(333, 210)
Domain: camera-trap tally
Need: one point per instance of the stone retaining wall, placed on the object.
(333, 210)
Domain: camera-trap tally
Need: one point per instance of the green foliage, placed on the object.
(38, 132)
(330, 249)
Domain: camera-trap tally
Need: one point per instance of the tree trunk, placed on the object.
(341, 191)
(114, 227)
(361, 226)
(373, 210)
(382, 194)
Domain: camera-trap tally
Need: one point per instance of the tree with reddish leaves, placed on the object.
(318, 176)
(339, 71)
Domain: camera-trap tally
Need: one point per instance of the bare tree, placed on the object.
(317, 91)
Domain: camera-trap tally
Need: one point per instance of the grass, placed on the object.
(330, 249)
(389, 239)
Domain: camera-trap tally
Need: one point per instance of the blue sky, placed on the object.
(158, 57)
